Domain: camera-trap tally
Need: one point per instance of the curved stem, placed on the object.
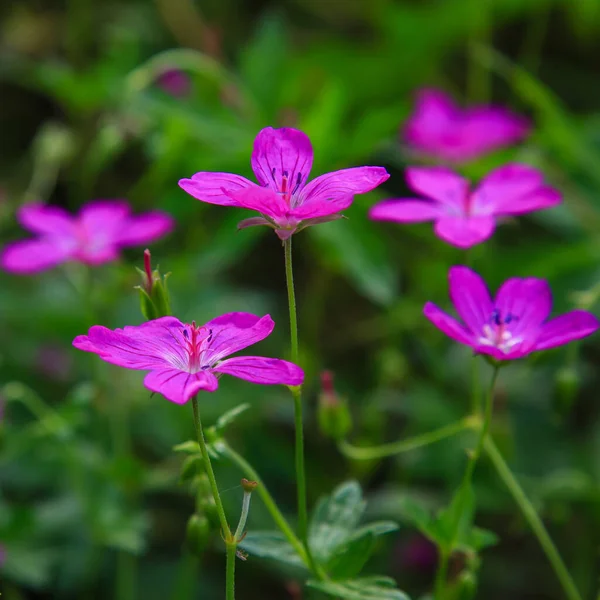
(230, 571)
(266, 497)
(533, 519)
(297, 394)
(209, 471)
(445, 553)
(401, 446)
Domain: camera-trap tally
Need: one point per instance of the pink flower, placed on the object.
(440, 129)
(514, 324)
(94, 236)
(184, 359)
(175, 82)
(463, 217)
(281, 161)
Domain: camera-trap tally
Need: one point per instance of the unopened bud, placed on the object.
(197, 533)
(154, 295)
(333, 414)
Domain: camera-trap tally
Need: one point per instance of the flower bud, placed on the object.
(204, 498)
(154, 295)
(333, 414)
(197, 533)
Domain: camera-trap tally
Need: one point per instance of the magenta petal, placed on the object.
(151, 345)
(540, 199)
(104, 215)
(441, 184)
(263, 200)
(465, 232)
(405, 211)
(571, 326)
(528, 302)
(280, 153)
(487, 128)
(180, 386)
(315, 208)
(32, 256)
(434, 112)
(213, 187)
(451, 327)
(235, 331)
(338, 187)
(470, 297)
(145, 228)
(43, 219)
(258, 369)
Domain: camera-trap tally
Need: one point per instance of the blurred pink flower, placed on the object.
(512, 325)
(463, 217)
(54, 362)
(184, 359)
(94, 236)
(281, 161)
(440, 129)
(419, 554)
(175, 82)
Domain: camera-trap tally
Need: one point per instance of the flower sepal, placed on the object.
(197, 533)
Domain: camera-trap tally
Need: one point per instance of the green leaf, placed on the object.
(264, 62)
(375, 529)
(271, 544)
(479, 539)
(189, 447)
(230, 416)
(355, 249)
(458, 517)
(416, 514)
(349, 559)
(334, 520)
(368, 588)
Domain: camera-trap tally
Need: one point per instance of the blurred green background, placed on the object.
(122, 99)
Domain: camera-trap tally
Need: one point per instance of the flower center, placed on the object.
(497, 333)
(196, 341)
(286, 190)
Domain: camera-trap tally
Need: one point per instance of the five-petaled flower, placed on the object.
(184, 359)
(440, 129)
(463, 217)
(94, 236)
(281, 161)
(512, 325)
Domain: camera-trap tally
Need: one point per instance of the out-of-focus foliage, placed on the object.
(89, 109)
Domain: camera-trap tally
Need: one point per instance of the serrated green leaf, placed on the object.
(334, 520)
(368, 588)
(271, 544)
(230, 416)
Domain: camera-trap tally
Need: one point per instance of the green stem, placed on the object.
(209, 471)
(533, 519)
(230, 571)
(478, 74)
(296, 393)
(442, 573)
(400, 446)
(266, 497)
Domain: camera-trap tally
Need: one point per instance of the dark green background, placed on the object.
(81, 118)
